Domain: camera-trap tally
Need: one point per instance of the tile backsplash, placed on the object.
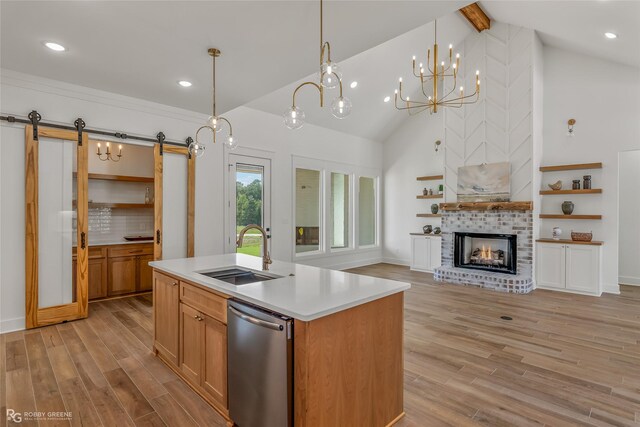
(111, 225)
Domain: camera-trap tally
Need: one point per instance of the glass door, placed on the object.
(56, 226)
(249, 202)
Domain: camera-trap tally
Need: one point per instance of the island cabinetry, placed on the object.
(203, 342)
(166, 300)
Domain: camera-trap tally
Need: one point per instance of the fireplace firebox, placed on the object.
(485, 251)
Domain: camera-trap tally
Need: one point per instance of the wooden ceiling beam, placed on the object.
(476, 16)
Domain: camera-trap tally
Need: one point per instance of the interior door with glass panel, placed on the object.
(249, 202)
(56, 210)
(174, 204)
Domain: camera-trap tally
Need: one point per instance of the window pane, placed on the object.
(339, 210)
(249, 195)
(367, 214)
(307, 230)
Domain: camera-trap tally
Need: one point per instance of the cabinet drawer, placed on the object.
(130, 250)
(94, 252)
(207, 302)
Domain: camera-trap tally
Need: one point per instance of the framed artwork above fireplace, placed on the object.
(488, 182)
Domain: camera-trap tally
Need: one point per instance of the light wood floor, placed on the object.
(563, 360)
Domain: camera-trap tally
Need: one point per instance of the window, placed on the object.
(307, 226)
(339, 210)
(367, 211)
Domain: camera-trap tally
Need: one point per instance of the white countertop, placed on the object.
(309, 294)
(114, 242)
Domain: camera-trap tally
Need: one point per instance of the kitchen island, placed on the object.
(347, 335)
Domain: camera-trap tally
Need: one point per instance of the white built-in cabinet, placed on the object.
(569, 267)
(425, 252)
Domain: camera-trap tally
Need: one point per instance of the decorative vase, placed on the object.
(427, 229)
(576, 184)
(425, 192)
(557, 232)
(437, 230)
(431, 192)
(441, 189)
(567, 207)
(434, 208)
(586, 185)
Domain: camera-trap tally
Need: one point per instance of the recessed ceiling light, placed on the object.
(184, 83)
(611, 35)
(55, 46)
(387, 98)
(353, 85)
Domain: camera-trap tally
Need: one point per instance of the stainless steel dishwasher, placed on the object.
(260, 366)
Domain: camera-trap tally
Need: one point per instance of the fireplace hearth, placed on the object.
(486, 251)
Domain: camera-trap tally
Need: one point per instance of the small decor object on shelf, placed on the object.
(441, 189)
(437, 230)
(586, 184)
(434, 208)
(581, 236)
(556, 186)
(557, 232)
(425, 192)
(147, 196)
(567, 207)
(576, 184)
(427, 229)
(431, 191)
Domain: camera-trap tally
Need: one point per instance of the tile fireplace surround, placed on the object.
(515, 222)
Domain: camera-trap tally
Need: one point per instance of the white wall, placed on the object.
(629, 227)
(604, 98)
(409, 153)
(258, 133)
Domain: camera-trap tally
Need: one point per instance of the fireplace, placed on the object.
(485, 251)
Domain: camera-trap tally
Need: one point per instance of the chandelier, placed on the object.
(215, 122)
(330, 77)
(108, 155)
(437, 83)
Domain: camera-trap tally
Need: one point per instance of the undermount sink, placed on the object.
(238, 276)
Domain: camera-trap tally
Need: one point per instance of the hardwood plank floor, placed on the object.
(564, 360)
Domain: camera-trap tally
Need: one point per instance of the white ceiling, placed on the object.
(142, 48)
(376, 71)
(578, 25)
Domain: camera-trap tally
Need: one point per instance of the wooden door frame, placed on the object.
(158, 152)
(79, 309)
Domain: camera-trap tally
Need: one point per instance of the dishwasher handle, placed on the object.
(255, 321)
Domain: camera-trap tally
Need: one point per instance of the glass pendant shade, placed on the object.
(214, 123)
(341, 107)
(231, 142)
(294, 118)
(329, 70)
(196, 150)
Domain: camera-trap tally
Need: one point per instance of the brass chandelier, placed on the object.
(330, 77)
(215, 122)
(433, 85)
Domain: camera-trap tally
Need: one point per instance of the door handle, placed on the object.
(158, 236)
(255, 321)
(83, 240)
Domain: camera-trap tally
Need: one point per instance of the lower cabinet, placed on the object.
(122, 275)
(166, 319)
(425, 253)
(145, 273)
(203, 353)
(569, 267)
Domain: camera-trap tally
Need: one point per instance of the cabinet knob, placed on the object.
(174, 283)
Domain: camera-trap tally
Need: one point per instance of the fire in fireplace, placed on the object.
(485, 251)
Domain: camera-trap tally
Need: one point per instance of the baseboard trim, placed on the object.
(611, 288)
(396, 261)
(12, 325)
(355, 264)
(628, 280)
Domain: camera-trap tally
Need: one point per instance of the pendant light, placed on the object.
(330, 77)
(215, 122)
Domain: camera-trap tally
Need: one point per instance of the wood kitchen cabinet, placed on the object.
(145, 273)
(191, 340)
(166, 319)
(122, 275)
(97, 271)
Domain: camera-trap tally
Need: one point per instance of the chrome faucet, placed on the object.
(266, 259)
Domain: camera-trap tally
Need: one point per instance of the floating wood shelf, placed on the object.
(431, 196)
(553, 192)
(561, 216)
(430, 178)
(121, 205)
(570, 242)
(487, 206)
(122, 178)
(571, 167)
(428, 215)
